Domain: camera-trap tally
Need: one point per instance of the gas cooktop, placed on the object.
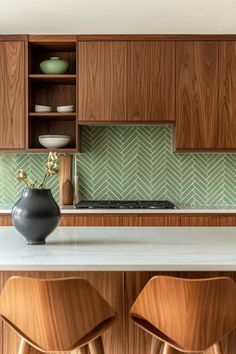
(125, 204)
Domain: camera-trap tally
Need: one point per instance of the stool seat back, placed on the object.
(54, 315)
(189, 314)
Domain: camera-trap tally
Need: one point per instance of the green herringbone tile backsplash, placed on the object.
(134, 163)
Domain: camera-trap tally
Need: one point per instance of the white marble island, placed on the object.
(118, 262)
(122, 249)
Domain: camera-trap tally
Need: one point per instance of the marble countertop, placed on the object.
(123, 249)
(180, 209)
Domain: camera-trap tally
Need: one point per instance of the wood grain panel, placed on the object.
(119, 220)
(44, 38)
(151, 81)
(102, 81)
(156, 37)
(5, 220)
(109, 284)
(149, 220)
(1, 336)
(196, 95)
(64, 173)
(140, 220)
(227, 93)
(77, 315)
(12, 95)
(199, 220)
(161, 310)
(13, 37)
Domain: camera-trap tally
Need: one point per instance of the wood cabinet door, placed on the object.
(151, 81)
(102, 81)
(227, 95)
(12, 95)
(197, 95)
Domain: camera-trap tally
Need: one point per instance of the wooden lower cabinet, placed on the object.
(120, 289)
(5, 220)
(149, 220)
(140, 220)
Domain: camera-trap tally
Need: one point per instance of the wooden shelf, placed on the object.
(53, 115)
(64, 78)
(44, 150)
(54, 90)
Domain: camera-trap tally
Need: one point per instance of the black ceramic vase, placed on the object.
(36, 215)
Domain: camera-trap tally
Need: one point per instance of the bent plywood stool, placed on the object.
(56, 315)
(186, 315)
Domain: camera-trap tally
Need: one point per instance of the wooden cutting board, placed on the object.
(65, 173)
(67, 192)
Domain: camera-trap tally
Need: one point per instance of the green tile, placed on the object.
(133, 162)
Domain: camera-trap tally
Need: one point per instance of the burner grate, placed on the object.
(125, 204)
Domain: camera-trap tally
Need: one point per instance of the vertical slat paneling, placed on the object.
(141, 220)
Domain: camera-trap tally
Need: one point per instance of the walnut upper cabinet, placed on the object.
(151, 81)
(126, 81)
(197, 116)
(102, 81)
(227, 95)
(12, 94)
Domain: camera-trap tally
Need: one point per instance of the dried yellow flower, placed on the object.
(52, 156)
(51, 168)
(21, 176)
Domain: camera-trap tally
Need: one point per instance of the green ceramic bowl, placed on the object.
(54, 65)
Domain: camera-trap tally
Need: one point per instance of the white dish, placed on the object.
(40, 109)
(54, 141)
(65, 109)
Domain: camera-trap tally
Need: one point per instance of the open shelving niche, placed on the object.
(52, 90)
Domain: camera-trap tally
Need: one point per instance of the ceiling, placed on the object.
(117, 16)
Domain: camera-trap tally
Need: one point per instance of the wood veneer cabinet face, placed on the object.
(197, 66)
(12, 95)
(102, 81)
(126, 81)
(151, 81)
(137, 220)
(227, 94)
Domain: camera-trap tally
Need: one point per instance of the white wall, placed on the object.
(117, 16)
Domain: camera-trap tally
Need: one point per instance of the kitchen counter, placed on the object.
(180, 209)
(123, 249)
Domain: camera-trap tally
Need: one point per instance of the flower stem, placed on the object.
(42, 185)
